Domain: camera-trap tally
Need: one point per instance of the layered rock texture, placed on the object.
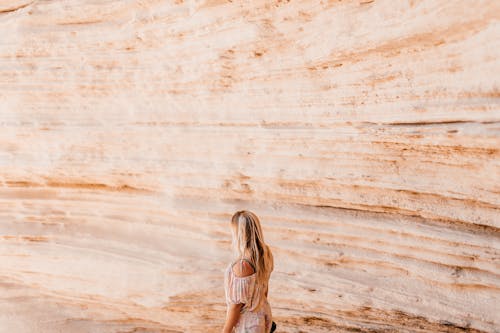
(364, 134)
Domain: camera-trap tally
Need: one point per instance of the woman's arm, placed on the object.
(233, 315)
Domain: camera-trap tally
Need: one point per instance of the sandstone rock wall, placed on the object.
(364, 134)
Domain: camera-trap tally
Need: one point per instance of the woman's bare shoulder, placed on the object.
(242, 268)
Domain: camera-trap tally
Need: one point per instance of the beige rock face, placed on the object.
(364, 134)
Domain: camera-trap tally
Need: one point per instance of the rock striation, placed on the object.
(364, 134)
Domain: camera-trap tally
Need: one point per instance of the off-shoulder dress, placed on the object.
(256, 315)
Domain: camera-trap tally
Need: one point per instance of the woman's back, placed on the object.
(246, 279)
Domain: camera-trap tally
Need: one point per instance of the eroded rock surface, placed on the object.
(365, 134)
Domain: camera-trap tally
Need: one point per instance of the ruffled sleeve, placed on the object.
(239, 289)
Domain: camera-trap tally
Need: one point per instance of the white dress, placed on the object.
(255, 315)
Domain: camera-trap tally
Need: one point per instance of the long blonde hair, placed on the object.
(248, 242)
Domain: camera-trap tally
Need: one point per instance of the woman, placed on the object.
(246, 279)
